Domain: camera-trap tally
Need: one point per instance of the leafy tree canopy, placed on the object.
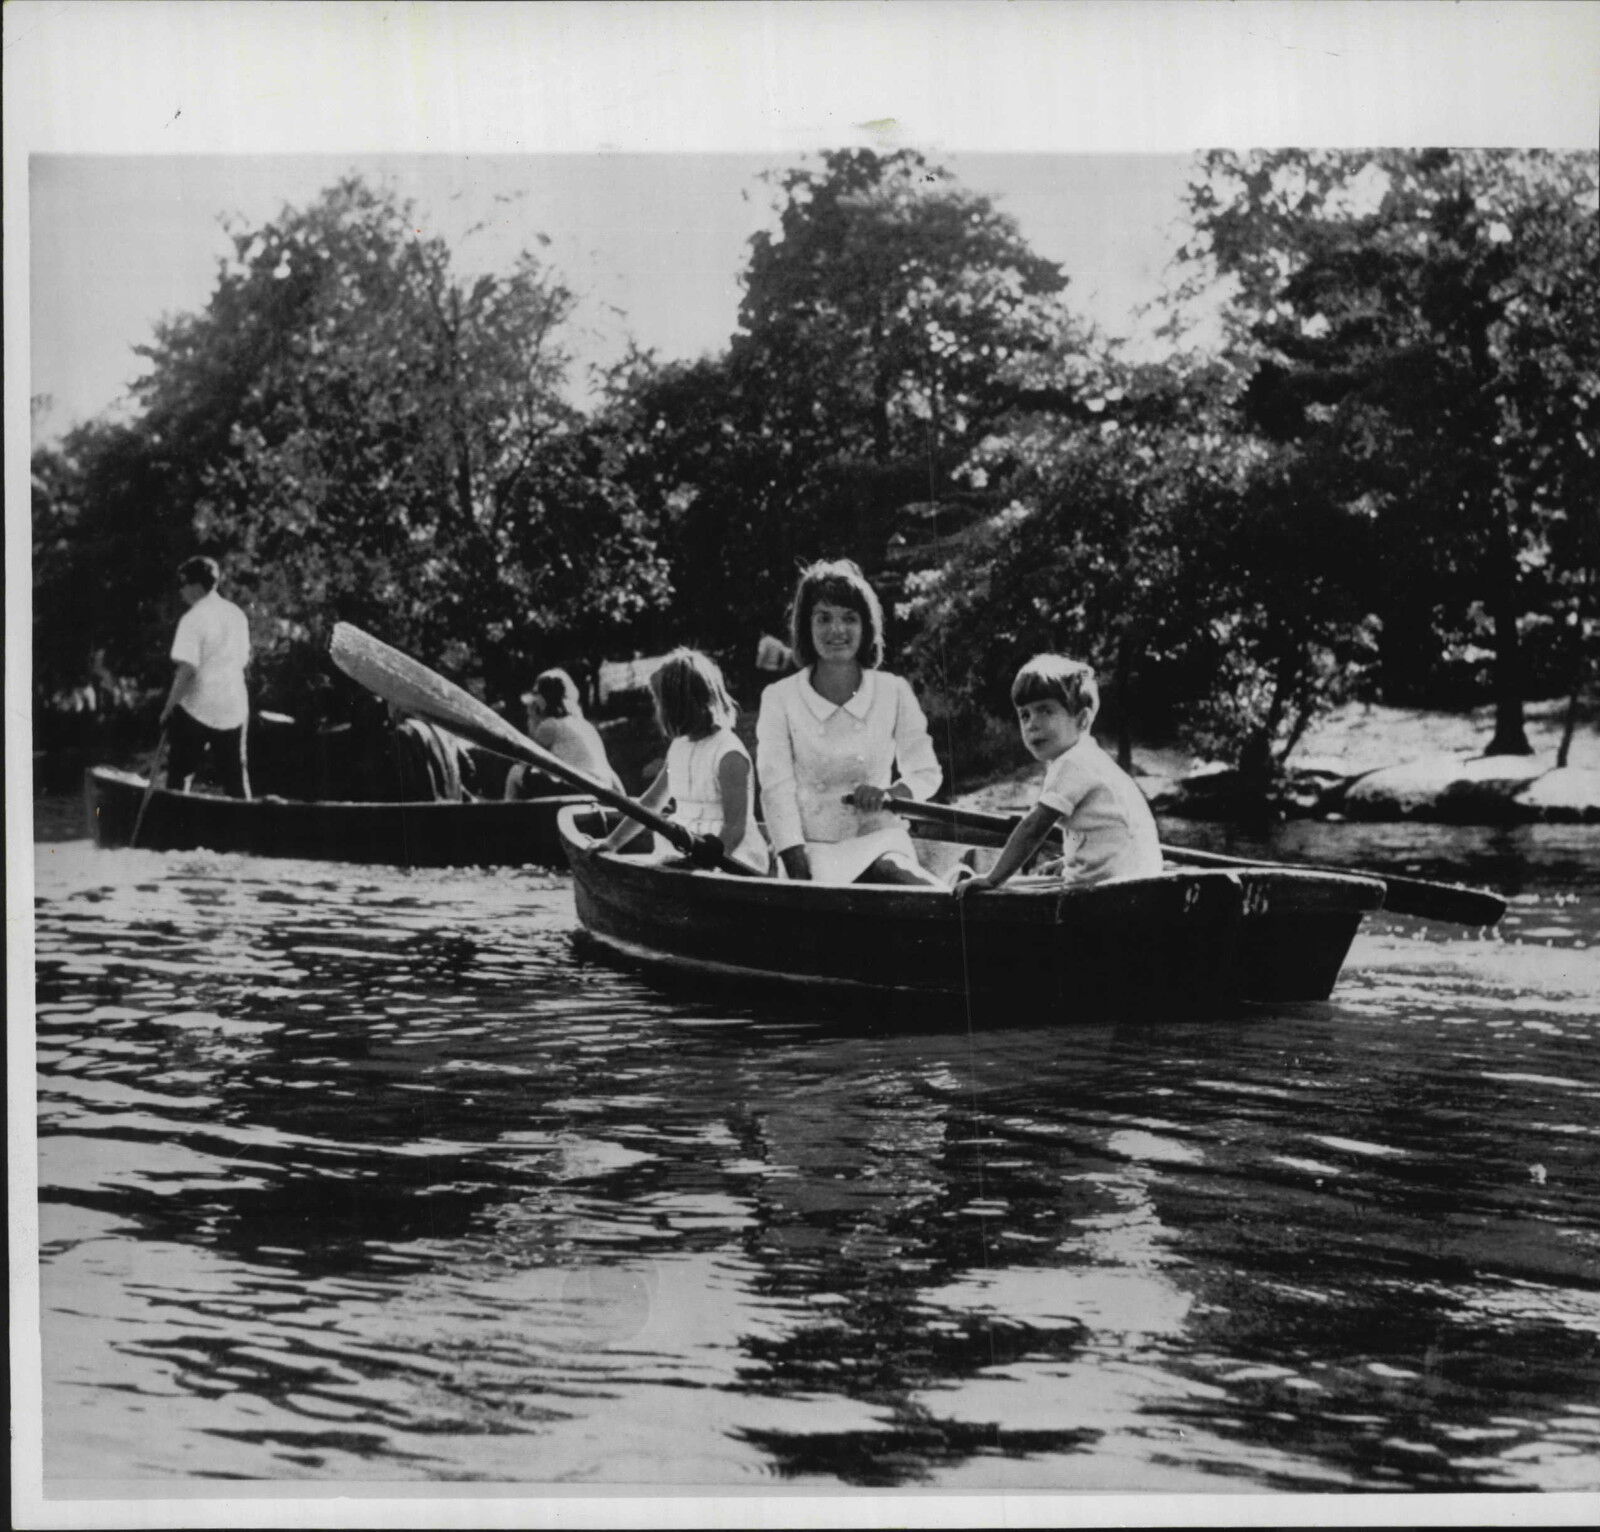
(358, 433)
(1429, 322)
(882, 307)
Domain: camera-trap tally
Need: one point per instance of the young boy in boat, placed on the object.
(1110, 831)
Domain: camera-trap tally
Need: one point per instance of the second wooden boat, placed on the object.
(477, 834)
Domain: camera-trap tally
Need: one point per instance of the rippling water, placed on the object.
(351, 1174)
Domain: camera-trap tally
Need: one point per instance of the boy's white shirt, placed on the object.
(1110, 831)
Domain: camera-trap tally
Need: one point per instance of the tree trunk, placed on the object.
(880, 417)
(880, 397)
(1580, 668)
(1255, 764)
(1569, 725)
(1124, 676)
(1510, 730)
(1257, 768)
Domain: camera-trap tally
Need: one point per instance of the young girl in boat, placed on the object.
(707, 774)
(829, 737)
(1110, 831)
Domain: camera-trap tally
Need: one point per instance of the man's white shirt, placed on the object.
(214, 637)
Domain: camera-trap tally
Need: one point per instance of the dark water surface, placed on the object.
(351, 1174)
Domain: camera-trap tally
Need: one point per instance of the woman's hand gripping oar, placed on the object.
(413, 688)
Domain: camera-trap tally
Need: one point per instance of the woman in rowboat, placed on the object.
(556, 722)
(835, 730)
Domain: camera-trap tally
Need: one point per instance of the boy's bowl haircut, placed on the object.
(1055, 678)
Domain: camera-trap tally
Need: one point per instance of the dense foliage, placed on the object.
(1382, 481)
(356, 434)
(1428, 325)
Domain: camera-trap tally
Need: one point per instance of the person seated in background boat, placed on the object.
(556, 723)
(1110, 831)
(773, 655)
(829, 737)
(707, 775)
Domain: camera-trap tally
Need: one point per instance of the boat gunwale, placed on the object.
(127, 779)
(1046, 902)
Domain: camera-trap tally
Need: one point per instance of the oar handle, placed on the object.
(149, 786)
(954, 818)
(413, 688)
(1403, 896)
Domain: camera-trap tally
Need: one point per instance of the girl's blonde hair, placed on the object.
(690, 695)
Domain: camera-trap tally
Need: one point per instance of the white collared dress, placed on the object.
(810, 752)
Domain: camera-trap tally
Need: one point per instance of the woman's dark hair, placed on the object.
(841, 583)
(559, 693)
(1055, 678)
(691, 697)
(199, 571)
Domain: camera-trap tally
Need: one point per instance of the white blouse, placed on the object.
(810, 752)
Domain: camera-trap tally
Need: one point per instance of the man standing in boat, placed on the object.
(207, 709)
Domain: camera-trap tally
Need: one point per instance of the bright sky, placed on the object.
(632, 136)
(654, 244)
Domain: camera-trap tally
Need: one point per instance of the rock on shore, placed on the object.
(1508, 789)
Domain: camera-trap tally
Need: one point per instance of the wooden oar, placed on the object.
(1404, 896)
(413, 688)
(149, 788)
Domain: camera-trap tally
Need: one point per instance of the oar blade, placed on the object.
(1442, 901)
(413, 688)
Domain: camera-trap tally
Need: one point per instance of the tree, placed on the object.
(106, 541)
(360, 434)
(1427, 320)
(878, 315)
(883, 307)
(723, 494)
(1202, 571)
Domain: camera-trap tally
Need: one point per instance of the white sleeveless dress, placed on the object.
(692, 783)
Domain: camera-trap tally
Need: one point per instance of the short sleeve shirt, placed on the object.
(1111, 831)
(214, 637)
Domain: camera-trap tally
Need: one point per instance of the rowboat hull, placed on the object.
(1186, 942)
(486, 834)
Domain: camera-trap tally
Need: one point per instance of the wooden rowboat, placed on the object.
(1190, 941)
(479, 834)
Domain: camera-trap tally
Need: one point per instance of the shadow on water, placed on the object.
(354, 1175)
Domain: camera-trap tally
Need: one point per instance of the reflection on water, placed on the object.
(357, 1174)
